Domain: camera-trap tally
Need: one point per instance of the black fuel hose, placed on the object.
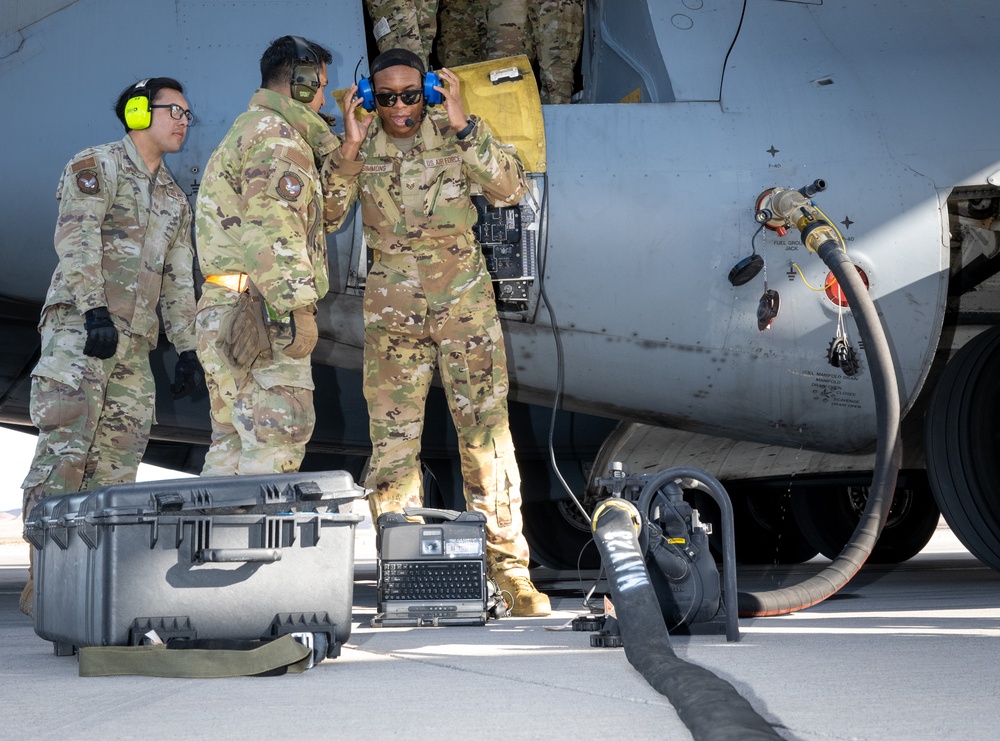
(887, 456)
(708, 705)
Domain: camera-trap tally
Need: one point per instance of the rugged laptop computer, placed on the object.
(431, 574)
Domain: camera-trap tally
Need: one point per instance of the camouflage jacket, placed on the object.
(412, 202)
(262, 208)
(123, 237)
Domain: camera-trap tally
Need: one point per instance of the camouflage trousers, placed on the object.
(461, 32)
(400, 358)
(404, 24)
(93, 416)
(262, 416)
(548, 31)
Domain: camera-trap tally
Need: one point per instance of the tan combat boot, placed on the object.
(522, 597)
(27, 602)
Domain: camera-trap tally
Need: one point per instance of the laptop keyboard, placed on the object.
(402, 580)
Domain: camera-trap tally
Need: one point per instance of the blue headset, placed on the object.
(431, 96)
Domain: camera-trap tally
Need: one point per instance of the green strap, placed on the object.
(159, 661)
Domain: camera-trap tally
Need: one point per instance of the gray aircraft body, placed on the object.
(690, 112)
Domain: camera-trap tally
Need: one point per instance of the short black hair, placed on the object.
(278, 60)
(151, 87)
(397, 58)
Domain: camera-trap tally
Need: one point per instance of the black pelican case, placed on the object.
(231, 557)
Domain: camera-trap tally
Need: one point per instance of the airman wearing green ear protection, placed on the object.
(123, 238)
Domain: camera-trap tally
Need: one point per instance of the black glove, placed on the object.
(188, 375)
(102, 337)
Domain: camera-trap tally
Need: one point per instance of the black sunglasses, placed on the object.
(409, 97)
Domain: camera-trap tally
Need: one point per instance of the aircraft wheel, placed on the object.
(828, 517)
(765, 530)
(441, 489)
(961, 440)
(558, 535)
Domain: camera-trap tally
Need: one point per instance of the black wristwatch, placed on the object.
(469, 126)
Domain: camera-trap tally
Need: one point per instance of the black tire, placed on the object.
(961, 443)
(829, 515)
(764, 528)
(558, 536)
(442, 484)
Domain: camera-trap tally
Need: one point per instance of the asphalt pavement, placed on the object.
(903, 652)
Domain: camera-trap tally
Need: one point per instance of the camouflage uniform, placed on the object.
(462, 35)
(262, 211)
(404, 24)
(550, 31)
(508, 33)
(124, 241)
(429, 303)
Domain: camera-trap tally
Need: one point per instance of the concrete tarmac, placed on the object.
(905, 652)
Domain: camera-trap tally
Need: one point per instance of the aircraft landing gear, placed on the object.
(961, 439)
(766, 530)
(828, 516)
(558, 537)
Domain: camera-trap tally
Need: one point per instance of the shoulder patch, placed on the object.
(88, 182)
(289, 186)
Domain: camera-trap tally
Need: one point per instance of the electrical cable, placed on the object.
(736, 36)
(753, 239)
(809, 285)
(543, 240)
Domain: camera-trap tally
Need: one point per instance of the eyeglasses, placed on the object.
(409, 97)
(176, 111)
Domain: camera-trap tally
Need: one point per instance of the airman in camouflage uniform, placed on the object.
(462, 32)
(404, 24)
(550, 31)
(262, 214)
(123, 237)
(429, 301)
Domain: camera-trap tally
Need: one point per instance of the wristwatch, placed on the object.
(469, 126)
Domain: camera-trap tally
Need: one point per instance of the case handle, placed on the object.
(230, 555)
(441, 514)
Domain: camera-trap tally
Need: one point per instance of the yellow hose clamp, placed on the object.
(630, 508)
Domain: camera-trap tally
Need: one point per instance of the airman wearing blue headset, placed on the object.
(431, 96)
(429, 304)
